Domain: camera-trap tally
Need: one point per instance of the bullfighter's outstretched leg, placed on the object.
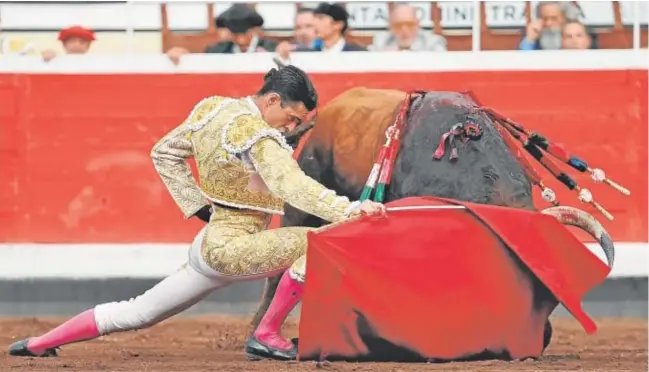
(247, 173)
(215, 261)
(177, 292)
(172, 295)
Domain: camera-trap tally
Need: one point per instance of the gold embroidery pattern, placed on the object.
(242, 162)
(236, 245)
(246, 130)
(284, 178)
(224, 177)
(206, 110)
(169, 156)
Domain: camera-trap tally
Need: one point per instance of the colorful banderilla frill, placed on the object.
(537, 146)
(382, 169)
(515, 136)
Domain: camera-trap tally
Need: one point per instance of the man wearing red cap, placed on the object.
(76, 39)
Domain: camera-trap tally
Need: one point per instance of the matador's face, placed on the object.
(282, 116)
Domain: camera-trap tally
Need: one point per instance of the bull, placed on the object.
(350, 130)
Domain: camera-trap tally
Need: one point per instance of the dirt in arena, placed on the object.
(215, 343)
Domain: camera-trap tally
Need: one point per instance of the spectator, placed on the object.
(576, 36)
(244, 24)
(304, 33)
(247, 37)
(406, 34)
(545, 31)
(75, 40)
(331, 23)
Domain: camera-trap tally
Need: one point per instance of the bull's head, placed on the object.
(293, 137)
(491, 170)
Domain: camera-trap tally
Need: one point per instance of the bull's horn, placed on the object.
(576, 217)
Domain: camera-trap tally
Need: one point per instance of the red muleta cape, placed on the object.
(440, 283)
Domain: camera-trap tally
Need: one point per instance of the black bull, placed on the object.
(350, 129)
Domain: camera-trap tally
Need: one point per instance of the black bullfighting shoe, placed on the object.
(255, 350)
(20, 349)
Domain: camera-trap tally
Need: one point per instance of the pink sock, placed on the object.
(288, 295)
(80, 328)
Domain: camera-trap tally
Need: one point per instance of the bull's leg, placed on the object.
(547, 334)
(316, 165)
(270, 287)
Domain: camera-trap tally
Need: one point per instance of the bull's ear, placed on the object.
(293, 137)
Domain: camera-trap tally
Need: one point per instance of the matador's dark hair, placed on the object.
(293, 86)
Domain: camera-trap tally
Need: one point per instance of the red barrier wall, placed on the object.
(75, 149)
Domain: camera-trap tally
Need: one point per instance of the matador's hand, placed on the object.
(371, 208)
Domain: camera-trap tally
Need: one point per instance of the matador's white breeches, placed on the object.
(242, 258)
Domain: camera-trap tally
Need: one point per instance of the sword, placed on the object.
(423, 207)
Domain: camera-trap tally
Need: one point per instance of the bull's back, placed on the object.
(485, 172)
(348, 133)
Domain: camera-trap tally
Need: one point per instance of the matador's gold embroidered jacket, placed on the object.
(242, 162)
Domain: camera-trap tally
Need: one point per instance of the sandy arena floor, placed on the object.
(215, 344)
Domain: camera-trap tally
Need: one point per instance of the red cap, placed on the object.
(77, 31)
